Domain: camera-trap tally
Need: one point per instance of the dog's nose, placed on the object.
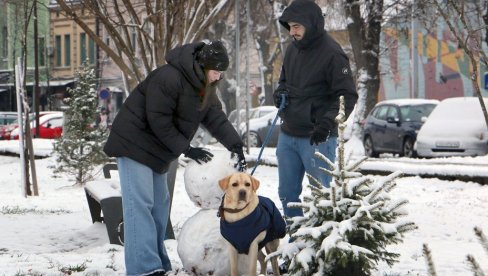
(242, 195)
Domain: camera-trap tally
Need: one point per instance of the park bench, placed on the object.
(105, 202)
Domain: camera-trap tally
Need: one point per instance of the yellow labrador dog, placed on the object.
(249, 222)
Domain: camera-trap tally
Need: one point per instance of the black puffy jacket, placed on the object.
(160, 117)
(316, 72)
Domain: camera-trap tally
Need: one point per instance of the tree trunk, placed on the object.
(364, 35)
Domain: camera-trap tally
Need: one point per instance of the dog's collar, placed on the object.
(222, 209)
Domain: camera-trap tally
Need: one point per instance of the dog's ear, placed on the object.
(224, 183)
(255, 183)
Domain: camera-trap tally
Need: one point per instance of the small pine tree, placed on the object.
(345, 228)
(473, 264)
(429, 260)
(79, 150)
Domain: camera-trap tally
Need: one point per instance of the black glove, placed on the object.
(198, 154)
(236, 150)
(320, 134)
(277, 97)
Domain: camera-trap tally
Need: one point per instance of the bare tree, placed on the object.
(463, 18)
(24, 12)
(158, 26)
(364, 34)
(267, 36)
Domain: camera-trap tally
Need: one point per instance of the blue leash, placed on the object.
(268, 135)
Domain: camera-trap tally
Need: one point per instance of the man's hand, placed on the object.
(236, 150)
(198, 154)
(278, 97)
(319, 135)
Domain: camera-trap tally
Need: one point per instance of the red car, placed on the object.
(50, 127)
(7, 129)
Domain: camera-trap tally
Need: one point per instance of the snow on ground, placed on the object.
(53, 234)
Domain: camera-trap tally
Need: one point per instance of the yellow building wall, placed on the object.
(60, 26)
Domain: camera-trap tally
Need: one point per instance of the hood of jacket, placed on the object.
(308, 14)
(183, 58)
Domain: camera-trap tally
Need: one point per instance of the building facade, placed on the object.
(16, 26)
(70, 48)
(435, 68)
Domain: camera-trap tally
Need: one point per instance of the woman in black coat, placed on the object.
(155, 125)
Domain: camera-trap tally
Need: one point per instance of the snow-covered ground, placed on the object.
(53, 234)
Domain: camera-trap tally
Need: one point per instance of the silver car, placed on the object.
(456, 127)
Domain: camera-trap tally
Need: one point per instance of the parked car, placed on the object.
(392, 126)
(456, 127)
(258, 129)
(7, 129)
(7, 117)
(255, 112)
(50, 127)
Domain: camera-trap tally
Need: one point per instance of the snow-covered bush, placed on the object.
(346, 228)
(79, 150)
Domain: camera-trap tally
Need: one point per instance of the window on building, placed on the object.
(42, 51)
(91, 48)
(67, 50)
(58, 50)
(4, 42)
(82, 48)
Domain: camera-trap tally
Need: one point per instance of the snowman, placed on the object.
(201, 247)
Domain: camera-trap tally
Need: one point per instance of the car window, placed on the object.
(55, 122)
(392, 112)
(380, 113)
(9, 120)
(414, 113)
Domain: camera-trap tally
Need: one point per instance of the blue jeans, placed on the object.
(146, 205)
(295, 157)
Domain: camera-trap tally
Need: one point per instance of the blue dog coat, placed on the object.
(242, 232)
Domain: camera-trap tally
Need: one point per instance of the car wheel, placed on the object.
(369, 148)
(407, 148)
(254, 140)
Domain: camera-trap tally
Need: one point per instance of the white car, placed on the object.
(259, 128)
(254, 113)
(456, 127)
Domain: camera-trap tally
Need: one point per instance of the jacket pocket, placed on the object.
(298, 113)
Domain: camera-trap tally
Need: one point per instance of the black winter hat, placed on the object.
(213, 56)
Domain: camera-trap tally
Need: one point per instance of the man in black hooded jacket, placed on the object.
(155, 125)
(315, 73)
